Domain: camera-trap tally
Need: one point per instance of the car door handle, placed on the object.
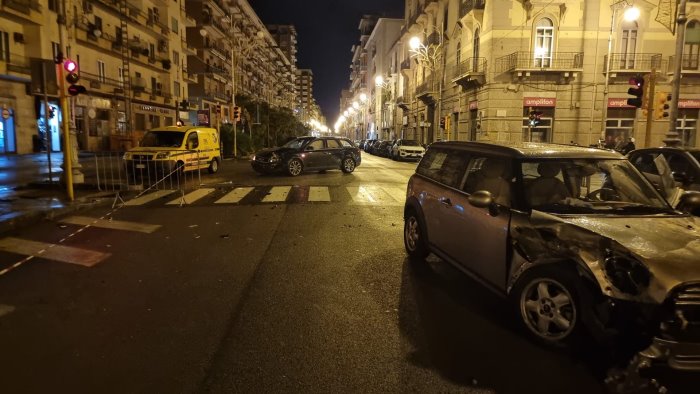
(445, 200)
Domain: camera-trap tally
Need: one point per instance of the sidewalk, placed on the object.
(27, 195)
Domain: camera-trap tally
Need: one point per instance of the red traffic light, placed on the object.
(70, 65)
(75, 90)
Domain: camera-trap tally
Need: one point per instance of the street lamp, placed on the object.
(430, 55)
(630, 14)
(380, 83)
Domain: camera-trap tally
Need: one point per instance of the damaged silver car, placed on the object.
(576, 238)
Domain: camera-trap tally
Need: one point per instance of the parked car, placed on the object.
(407, 150)
(308, 154)
(382, 149)
(683, 162)
(579, 242)
(371, 144)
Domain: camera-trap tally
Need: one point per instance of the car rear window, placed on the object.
(332, 143)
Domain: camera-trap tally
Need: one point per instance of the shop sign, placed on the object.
(618, 103)
(150, 108)
(93, 102)
(473, 105)
(689, 103)
(539, 102)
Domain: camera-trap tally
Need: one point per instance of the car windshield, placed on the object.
(155, 139)
(579, 186)
(297, 143)
(410, 143)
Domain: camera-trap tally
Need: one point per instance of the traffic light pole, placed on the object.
(65, 109)
(650, 107)
(672, 138)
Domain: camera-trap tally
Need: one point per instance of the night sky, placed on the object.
(327, 30)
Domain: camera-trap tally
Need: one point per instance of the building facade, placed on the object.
(485, 66)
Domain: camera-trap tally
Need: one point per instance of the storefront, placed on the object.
(474, 121)
(619, 122)
(539, 130)
(48, 136)
(94, 122)
(687, 123)
(7, 130)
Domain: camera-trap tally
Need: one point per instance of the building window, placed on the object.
(53, 5)
(628, 45)
(544, 43)
(101, 71)
(55, 49)
(458, 53)
(176, 58)
(173, 25)
(120, 72)
(4, 46)
(476, 48)
(176, 88)
(154, 120)
(691, 51)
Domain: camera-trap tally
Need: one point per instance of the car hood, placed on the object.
(669, 246)
(269, 151)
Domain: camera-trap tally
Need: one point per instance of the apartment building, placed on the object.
(486, 65)
(305, 95)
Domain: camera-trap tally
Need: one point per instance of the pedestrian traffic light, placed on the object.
(236, 113)
(661, 105)
(535, 117)
(72, 78)
(442, 123)
(637, 91)
(218, 109)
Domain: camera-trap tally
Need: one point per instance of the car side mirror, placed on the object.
(689, 202)
(483, 199)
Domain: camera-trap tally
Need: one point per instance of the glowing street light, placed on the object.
(631, 14)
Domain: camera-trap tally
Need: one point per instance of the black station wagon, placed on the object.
(309, 154)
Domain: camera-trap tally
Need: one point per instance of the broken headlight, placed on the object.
(627, 274)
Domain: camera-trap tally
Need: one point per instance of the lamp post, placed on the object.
(430, 56)
(631, 14)
(380, 83)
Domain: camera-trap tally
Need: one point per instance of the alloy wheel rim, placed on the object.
(548, 309)
(349, 165)
(412, 233)
(214, 165)
(294, 167)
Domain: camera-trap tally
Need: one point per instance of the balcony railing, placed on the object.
(406, 64)
(467, 6)
(634, 62)
(18, 64)
(23, 6)
(523, 60)
(425, 88)
(691, 62)
(473, 65)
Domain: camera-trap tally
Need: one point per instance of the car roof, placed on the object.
(529, 150)
(668, 148)
(180, 128)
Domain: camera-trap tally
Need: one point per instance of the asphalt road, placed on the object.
(254, 296)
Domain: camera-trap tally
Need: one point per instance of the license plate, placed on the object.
(140, 166)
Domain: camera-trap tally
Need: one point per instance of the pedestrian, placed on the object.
(629, 147)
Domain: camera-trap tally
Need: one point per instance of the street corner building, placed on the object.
(556, 72)
(140, 64)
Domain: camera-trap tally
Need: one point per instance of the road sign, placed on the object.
(5, 113)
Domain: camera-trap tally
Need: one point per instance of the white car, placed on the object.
(407, 150)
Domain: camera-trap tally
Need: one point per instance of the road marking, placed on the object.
(371, 195)
(6, 309)
(64, 254)
(146, 198)
(319, 193)
(111, 224)
(397, 193)
(191, 197)
(235, 196)
(277, 194)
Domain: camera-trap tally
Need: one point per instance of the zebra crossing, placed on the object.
(384, 195)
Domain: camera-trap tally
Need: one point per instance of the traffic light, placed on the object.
(661, 105)
(535, 117)
(638, 91)
(218, 109)
(442, 123)
(72, 78)
(236, 113)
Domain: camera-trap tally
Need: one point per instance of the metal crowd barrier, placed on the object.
(141, 172)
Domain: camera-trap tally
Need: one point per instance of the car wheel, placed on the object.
(295, 167)
(548, 301)
(348, 165)
(213, 166)
(414, 237)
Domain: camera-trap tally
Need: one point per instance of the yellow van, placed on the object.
(164, 149)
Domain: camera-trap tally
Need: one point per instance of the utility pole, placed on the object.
(650, 106)
(65, 107)
(672, 138)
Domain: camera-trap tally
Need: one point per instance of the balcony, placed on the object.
(471, 72)
(16, 64)
(189, 76)
(426, 92)
(690, 65)
(188, 49)
(187, 20)
(23, 11)
(522, 64)
(634, 63)
(406, 64)
(467, 6)
(217, 51)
